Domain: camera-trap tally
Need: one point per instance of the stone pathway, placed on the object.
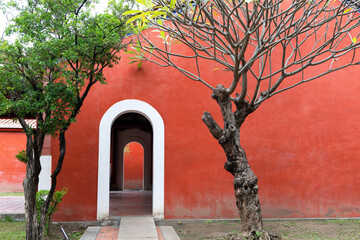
(131, 228)
(12, 207)
(108, 233)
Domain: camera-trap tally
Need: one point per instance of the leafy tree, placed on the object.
(265, 47)
(60, 50)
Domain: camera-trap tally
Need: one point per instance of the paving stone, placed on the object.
(137, 228)
(91, 233)
(169, 233)
(12, 205)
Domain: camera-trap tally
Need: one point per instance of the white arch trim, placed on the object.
(119, 108)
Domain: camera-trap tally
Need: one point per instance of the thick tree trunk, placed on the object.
(245, 181)
(246, 193)
(245, 184)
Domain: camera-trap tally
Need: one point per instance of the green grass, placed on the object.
(10, 230)
(15, 230)
(11, 194)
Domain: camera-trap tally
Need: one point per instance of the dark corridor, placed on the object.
(130, 127)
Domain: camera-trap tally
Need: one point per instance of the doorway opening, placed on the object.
(131, 166)
(158, 155)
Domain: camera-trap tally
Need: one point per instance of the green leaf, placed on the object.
(132, 19)
(172, 4)
(142, 2)
(162, 34)
(132, 52)
(131, 12)
(139, 65)
(157, 14)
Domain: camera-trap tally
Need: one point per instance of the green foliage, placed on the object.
(53, 53)
(154, 11)
(208, 221)
(54, 204)
(141, 19)
(75, 235)
(138, 55)
(60, 51)
(7, 219)
(258, 233)
(21, 156)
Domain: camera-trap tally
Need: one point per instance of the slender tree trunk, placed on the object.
(46, 205)
(34, 145)
(245, 181)
(30, 185)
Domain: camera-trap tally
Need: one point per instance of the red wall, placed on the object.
(303, 145)
(133, 166)
(12, 171)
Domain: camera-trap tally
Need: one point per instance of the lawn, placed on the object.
(10, 230)
(15, 230)
(11, 194)
(288, 229)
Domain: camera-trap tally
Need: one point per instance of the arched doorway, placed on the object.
(106, 123)
(131, 166)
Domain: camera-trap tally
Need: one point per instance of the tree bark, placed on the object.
(245, 181)
(30, 187)
(34, 145)
(246, 193)
(46, 205)
(31, 181)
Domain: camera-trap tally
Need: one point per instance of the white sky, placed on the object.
(2, 23)
(99, 8)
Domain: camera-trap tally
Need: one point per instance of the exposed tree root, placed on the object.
(254, 235)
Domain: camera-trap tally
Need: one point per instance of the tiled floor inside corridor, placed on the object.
(130, 203)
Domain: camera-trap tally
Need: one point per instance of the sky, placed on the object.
(99, 8)
(2, 23)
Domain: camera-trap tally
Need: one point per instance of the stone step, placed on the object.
(137, 228)
(169, 233)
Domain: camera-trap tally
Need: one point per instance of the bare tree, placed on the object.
(263, 44)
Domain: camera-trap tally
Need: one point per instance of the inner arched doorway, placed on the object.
(158, 140)
(134, 167)
(131, 166)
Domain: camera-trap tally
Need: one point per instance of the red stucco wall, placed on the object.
(12, 171)
(133, 166)
(303, 145)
